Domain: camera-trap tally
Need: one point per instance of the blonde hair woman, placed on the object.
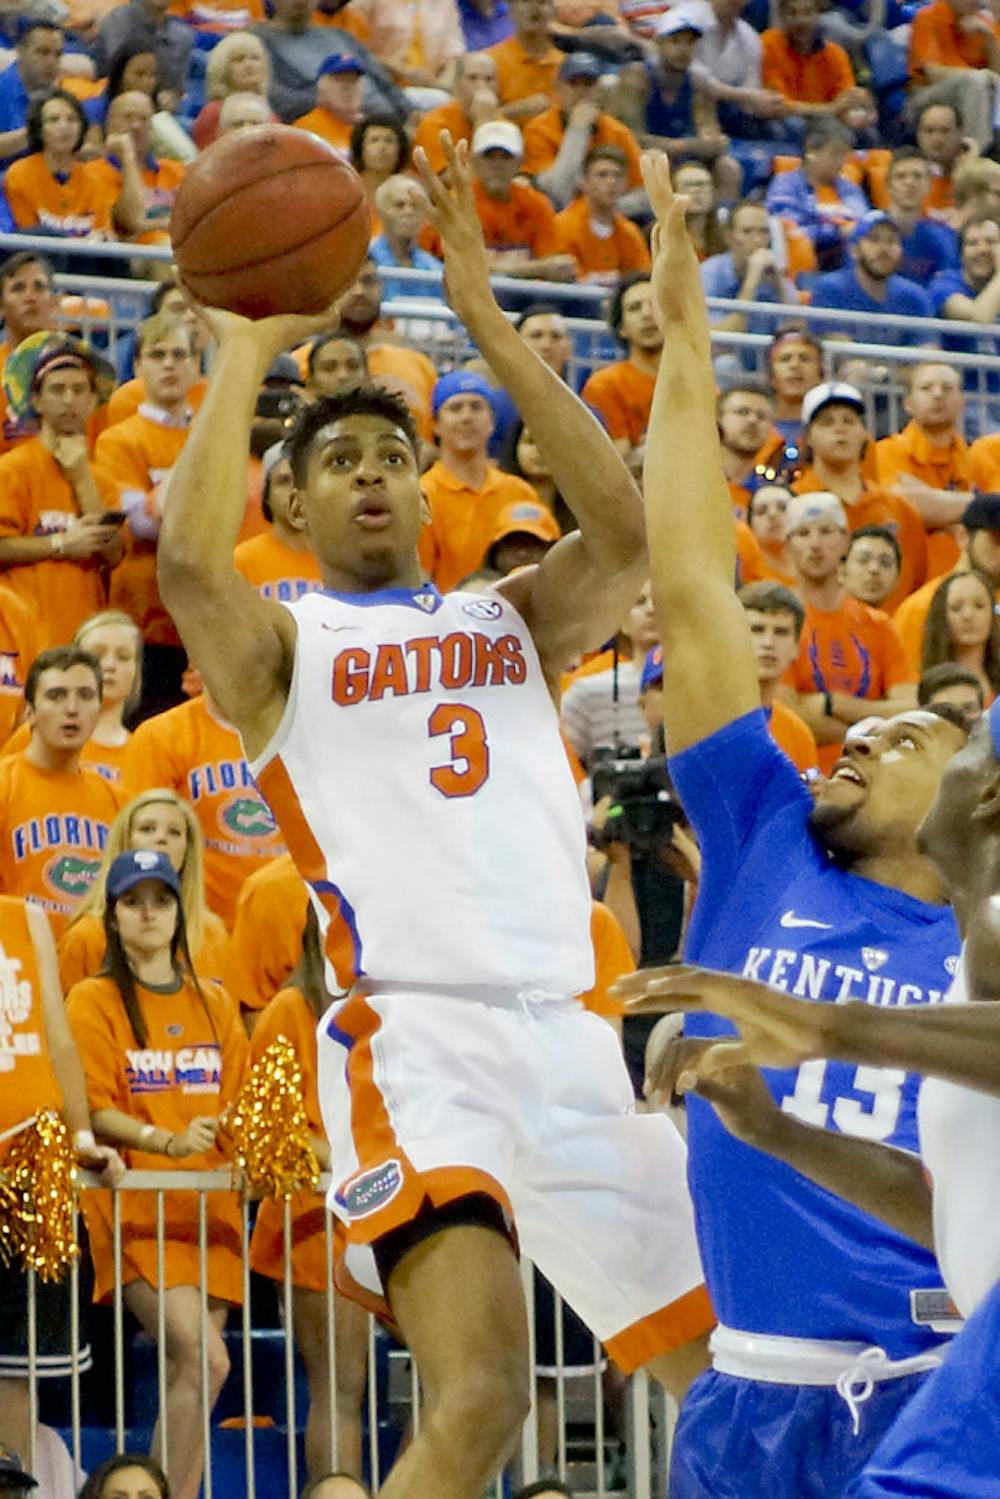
(236, 65)
(156, 819)
(115, 639)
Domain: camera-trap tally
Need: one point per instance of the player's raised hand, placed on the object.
(271, 335)
(676, 278)
(452, 211)
(775, 1031)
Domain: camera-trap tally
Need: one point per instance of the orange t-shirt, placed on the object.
(30, 1083)
(191, 751)
(525, 220)
(792, 734)
(623, 395)
(80, 206)
(161, 177)
(519, 75)
(543, 137)
(82, 948)
(18, 648)
(276, 570)
(612, 961)
(54, 826)
(411, 375)
(854, 650)
(321, 122)
(36, 499)
(133, 457)
(450, 117)
(108, 760)
(937, 37)
(192, 1064)
(267, 929)
(984, 463)
(749, 554)
(943, 466)
(463, 520)
(806, 77)
(290, 1015)
(877, 507)
(126, 399)
(624, 249)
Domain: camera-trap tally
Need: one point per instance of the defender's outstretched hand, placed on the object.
(676, 278)
(453, 214)
(775, 1031)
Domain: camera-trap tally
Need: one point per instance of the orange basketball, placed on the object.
(270, 219)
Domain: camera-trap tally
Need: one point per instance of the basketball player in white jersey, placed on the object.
(408, 744)
(946, 1441)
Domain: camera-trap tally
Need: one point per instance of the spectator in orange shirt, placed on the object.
(954, 59)
(527, 62)
(335, 362)
(131, 115)
(813, 74)
(766, 517)
(518, 221)
(54, 191)
(775, 618)
(56, 541)
(18, 648)
(391, 366)
(193, 751)
(135, 457)
(603, 243)
(238, 64)
(928, 463)
(466, 492)
(980, 530)
(267, 930)
(557, 142)
(954, 685)
(28, 304)
(940, 138)
(163, 1056)
(622, 393)
(280, 564)
(962, 626)
(127, 398)
(851, 662)
(338, 101)
(871, 565)
(524, 533)
(475, 101)
(55, 815)
(834, 417)
(744, 412)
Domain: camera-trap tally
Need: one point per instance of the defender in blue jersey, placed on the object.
(822, 894)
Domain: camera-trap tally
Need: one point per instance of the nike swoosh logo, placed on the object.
(791, 920)
(336, 629)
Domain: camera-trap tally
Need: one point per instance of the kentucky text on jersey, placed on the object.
(458, 660)
(808, 976)
(193, 1069)
(63, 831)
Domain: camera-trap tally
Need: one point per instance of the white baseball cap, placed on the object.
(675, 20)
(831, 393)
(498, 135)
(822, 505)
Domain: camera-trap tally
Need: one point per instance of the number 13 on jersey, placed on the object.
(468, 765)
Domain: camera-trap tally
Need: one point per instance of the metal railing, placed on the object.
(271, 1462)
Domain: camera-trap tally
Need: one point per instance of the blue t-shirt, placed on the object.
(902, 299)
(949, 284)
(671, 118)
(782, 1255)
(479, 31)
(928, 248)
(14, 104)
(394, 287)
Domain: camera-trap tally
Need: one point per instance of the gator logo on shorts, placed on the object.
(372, 1190)
(71, 875)
(248, 817)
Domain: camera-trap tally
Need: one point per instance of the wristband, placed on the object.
(83, 1139)
(828, 704)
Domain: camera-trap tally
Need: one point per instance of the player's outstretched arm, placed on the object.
(242, 644)
(709, 677)
(578, 596)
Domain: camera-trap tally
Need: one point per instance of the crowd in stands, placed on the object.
(841, 159)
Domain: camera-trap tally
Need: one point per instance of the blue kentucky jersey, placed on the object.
(781, 1255)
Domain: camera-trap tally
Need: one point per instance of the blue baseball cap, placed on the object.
(459, 383)
(137, 865)
(652, 669)
(340, 62)
(870, 221)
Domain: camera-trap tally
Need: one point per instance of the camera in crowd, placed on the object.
(643, 809)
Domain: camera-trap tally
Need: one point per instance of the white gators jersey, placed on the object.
(422, 787)
(960, 1147)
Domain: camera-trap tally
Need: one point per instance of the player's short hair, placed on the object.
(618, 296)
(336, 337)
(362, 401)
(879, 533)
(161, 325)
(947, 674)
(61, 658)
(34, 125)
(17, 262)
(773, 598)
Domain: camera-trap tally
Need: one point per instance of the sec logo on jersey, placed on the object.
(483, 609)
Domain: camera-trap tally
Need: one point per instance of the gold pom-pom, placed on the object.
(36, 1199)
(268, 1126)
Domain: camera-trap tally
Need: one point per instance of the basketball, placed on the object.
(270, 220)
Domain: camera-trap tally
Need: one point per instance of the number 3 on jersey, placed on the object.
(469, 765)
